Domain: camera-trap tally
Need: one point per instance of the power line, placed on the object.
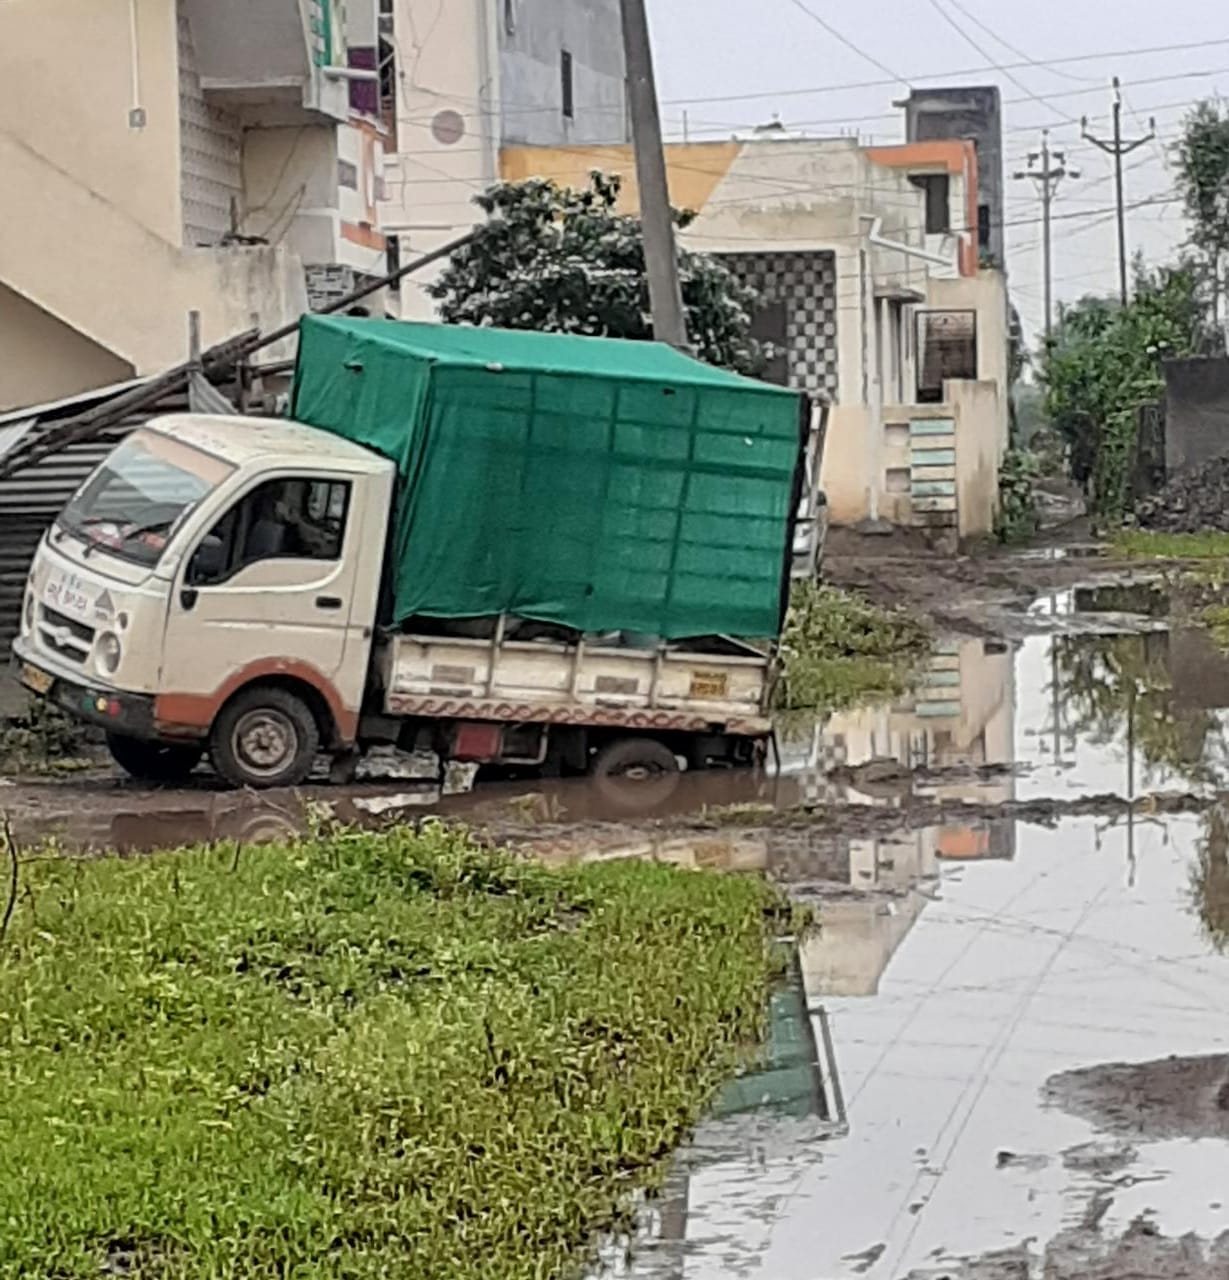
(894, 79)
(849, 44)
(968, 39)
(1107, 56)
(1011, 48)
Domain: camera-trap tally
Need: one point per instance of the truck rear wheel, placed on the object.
(154, 761)
(635, 774)
(264, 737)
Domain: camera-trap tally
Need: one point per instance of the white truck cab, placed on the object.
(216, 586)
(204, 558)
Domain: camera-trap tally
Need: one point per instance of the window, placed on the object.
(509, 17)
(937, 187)
(392, 262)
(133, 504)
(947, 349)
(288, 519)
(565, 73)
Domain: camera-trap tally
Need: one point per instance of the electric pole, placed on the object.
(1119, 147)
(660, 258)
(1052, 171)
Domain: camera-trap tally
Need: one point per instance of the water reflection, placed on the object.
(1210, 877)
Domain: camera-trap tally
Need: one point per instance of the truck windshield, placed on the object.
(132, 505)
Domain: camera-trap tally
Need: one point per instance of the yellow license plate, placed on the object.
(35, 679)
(709, 684)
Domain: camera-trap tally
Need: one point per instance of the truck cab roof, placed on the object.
(244, 440)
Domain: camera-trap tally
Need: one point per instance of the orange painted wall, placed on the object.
(957, 156)
(693, 170)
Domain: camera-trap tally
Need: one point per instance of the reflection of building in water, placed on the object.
(961, 714)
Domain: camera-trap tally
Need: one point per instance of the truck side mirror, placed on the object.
(208, 561)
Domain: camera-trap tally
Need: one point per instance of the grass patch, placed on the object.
(839, 649)
(358, 1055)
(1141, 544)
(1215, 617)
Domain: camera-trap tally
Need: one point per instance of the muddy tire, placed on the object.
(635, 775)
(154, 761)
(264, 737)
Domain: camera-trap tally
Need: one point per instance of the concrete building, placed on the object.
(163, 156)
(461, 81)
(973, 113)
(872, 292)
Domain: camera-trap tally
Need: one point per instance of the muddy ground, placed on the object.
(1014, 1016)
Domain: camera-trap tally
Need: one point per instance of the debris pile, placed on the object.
(1195, 500)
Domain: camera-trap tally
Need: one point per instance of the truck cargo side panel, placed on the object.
(597, 485)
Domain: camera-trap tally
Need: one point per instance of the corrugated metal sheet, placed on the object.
(32, 498)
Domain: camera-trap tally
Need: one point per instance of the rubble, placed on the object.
(1195, 500)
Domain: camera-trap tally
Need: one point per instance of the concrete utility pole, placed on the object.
(1052, 171)
(660, 258)
(1118, 147)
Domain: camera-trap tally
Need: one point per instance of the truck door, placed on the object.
(269, 590)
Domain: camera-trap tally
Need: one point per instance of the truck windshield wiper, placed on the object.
(154, 526)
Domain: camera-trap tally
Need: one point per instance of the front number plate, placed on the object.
(35, 679)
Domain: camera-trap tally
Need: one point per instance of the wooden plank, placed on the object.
(932, 473)
(938, 710)
(922, 505)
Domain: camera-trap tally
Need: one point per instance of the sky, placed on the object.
(727, 65)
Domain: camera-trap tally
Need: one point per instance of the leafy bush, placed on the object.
(1018, 519)
(43, 739)
(839, 649)
(356, 1055)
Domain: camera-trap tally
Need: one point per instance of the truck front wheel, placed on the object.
(264, 737)
(154, 761)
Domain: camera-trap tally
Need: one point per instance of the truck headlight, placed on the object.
(109, 652)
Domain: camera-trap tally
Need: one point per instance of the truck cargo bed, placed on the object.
(551, 683)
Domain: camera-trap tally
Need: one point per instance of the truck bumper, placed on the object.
(114, 710)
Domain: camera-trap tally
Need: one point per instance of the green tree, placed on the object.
(553, 258)
(1202, 176)
(1104, 365)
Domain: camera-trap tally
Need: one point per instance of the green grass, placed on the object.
(1141, 544)
(840, 650)
(1215, 617)
(358, 1055)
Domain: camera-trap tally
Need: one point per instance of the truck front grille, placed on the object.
(66, 636)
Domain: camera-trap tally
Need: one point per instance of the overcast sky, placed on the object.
(710, 53)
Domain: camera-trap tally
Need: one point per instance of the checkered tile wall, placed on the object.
(806, 284)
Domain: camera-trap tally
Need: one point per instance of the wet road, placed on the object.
(961, 1143)
(1029, 1035)
(1007, 1051)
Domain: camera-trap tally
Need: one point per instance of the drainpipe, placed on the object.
(872, 318)
(876, 237)
(489, 89)
(136, 111)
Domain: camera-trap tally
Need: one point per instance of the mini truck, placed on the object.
(509, 548)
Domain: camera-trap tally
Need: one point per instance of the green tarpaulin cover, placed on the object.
(593, 483)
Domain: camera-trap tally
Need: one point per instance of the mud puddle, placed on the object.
(1025, 1019)
(1083, 720)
